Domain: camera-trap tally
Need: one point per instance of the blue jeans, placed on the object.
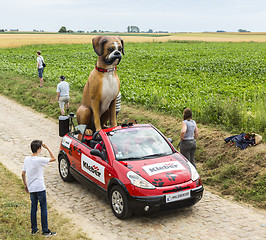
(41, 197)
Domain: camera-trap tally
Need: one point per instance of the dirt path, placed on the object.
(212, 218)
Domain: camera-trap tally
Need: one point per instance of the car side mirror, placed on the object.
(96, 152)
(170, 140)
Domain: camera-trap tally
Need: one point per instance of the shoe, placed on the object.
(40, 86)
(34, 232)
(49, 233)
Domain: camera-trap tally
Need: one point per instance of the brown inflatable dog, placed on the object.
(102, 88)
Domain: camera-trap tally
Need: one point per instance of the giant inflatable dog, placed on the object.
(102, 88)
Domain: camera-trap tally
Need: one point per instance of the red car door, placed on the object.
(93, 167)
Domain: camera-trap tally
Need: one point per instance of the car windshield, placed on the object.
(138, 143)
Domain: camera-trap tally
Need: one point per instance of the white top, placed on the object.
(63, 89)
(40, 60)
(191, 125)
(33, 166)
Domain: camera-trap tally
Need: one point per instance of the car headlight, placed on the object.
(138, 181)
(194, 173)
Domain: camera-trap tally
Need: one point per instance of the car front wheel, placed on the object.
(63, 166)
(119, 203)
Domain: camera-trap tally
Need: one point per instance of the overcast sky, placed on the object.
(116, 15)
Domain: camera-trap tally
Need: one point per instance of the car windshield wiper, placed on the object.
(131, 158)
(157, 155)
(144, 157)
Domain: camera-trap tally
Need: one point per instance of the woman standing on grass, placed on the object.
(40, 67)
(189, 133)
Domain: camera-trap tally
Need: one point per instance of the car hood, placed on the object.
(162, 171)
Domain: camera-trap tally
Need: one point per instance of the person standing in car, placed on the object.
(118, 104)
(188, 135)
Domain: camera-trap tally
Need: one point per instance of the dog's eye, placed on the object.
(111, 49)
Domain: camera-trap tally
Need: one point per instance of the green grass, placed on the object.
(223, 83)
(15, 212)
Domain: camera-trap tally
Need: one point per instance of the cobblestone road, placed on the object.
(212, 218)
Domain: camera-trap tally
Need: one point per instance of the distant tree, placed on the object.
(133, 29)
(242, 30)
(62, 30)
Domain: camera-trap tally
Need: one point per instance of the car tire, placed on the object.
(63, 166)
(119, 203)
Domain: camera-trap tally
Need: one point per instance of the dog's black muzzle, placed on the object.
(111, 60)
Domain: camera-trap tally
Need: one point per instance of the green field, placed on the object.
(223, 83)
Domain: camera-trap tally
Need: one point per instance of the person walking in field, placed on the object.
(188, 135)
(63, 95)
(32, 176)
(40, 67)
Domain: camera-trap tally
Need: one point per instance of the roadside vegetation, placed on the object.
(226, 169)
(15, 212)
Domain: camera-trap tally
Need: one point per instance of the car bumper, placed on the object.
(155, 202)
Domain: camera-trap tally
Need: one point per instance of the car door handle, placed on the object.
(79, 151)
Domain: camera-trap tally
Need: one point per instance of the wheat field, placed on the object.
(8, 40)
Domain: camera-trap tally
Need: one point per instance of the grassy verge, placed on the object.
(15, 212)
(228, 170)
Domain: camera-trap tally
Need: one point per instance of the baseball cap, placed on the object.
(63, 78)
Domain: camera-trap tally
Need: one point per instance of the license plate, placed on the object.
(177, 196)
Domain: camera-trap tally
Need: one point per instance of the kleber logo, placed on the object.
(163, 167)
(93, 168)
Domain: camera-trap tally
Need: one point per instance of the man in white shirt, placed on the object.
(32, 176)
(63, 95)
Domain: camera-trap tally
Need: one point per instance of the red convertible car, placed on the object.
(135, 166)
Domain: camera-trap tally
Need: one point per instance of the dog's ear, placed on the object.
(98, 43)
(122, 42)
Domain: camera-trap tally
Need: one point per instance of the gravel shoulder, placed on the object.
(212, 218)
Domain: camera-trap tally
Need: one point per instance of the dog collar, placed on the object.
(105, 70)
